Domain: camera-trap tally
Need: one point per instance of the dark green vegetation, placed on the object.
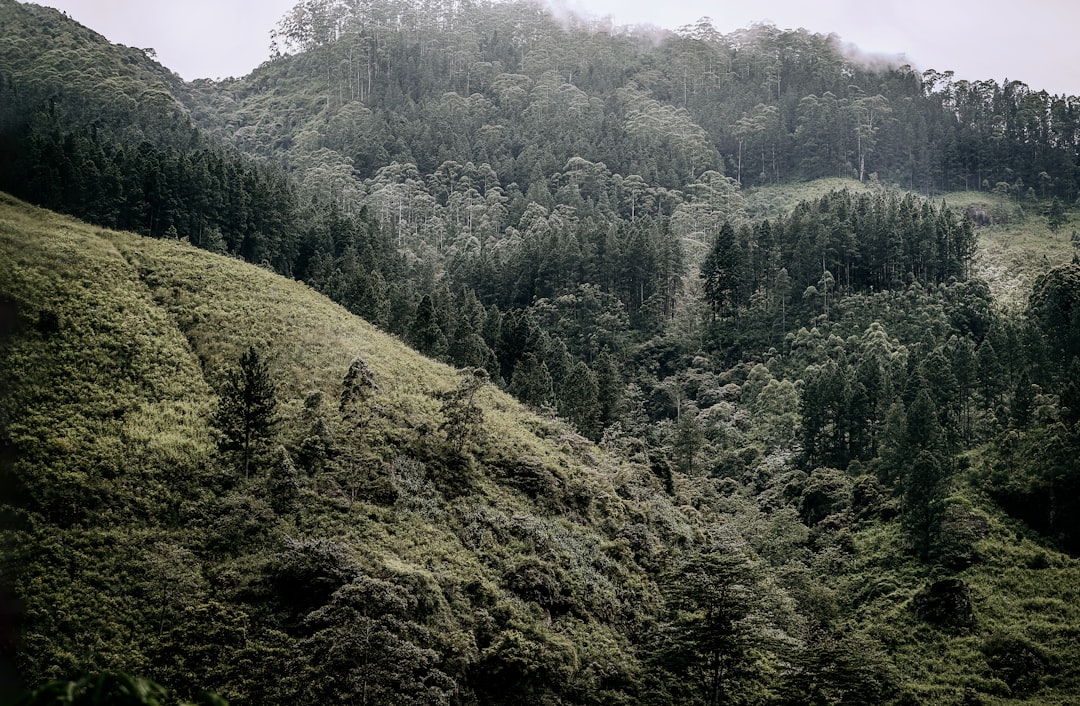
(778, 445)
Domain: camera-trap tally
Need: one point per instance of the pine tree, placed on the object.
(706, 643)
(283, 485)
(425, 334)
(721, 272)
(247, 409)
(578, 400)
(531, 381)
(356, 389)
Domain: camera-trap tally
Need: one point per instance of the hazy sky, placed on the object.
(1034, 41)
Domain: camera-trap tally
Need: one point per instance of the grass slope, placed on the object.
(119, 500)
(118, 345)
(1010, 254)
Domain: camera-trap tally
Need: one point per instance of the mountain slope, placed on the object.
(518, 565)
(121, 493)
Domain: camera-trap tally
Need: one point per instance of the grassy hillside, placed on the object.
(1016, 251)
(110, 378)
(1012, 251)
(521, 565)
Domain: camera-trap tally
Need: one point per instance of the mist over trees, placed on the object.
(783, 443)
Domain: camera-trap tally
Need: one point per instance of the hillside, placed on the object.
(463, 356)
(131, 522)
(525, 562)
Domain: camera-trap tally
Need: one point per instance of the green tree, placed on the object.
(107, 689)
(247, 409)
(531, 381)
(721, 272)
(283, 485)
(687, 439)
(425, 334)
(1055, 307)
(357, 389)
(924, 475)
(839, 670)
(578, 399)
(462, 418)
(707, 642)
(370, 644)
(1055, 215)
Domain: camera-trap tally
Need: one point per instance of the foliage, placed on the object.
(808, 419)
(107, 688)
(246, 413)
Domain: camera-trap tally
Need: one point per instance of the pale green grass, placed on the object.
(1012, 255)
(775, 201)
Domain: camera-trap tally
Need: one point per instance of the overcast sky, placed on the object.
(1034, 41)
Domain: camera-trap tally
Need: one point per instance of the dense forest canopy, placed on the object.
(774, 450)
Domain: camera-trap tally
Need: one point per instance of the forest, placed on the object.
(662, 367)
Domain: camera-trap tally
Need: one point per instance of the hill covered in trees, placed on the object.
(780, 442)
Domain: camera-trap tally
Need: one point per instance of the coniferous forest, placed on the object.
(464, 355)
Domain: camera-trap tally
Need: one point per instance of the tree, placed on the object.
(924, 473)
(531, 381)
(706, 642)
(107, 689)
(687, 440)
(283, 486)
(721, 272)
(1055, 308)
(867, 112)
(1055, 215)
(839, 670)
(425, 334)
(357, 388)
(247, 409)
(371, 644)
(463, 418)
(923, 494)
(579, 399)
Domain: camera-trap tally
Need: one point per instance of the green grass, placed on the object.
(109, 415)
(109, 411)
(779, 200)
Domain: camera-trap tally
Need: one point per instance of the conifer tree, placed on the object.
(283, 486)
(578, 399)
(356, 389)
(463, 417)
(531, 381)
(247, 409)
(424, 333)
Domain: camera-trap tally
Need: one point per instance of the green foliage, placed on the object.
(112, 689)
(463, 417)
(247, 410)
(708, 644)
(840, 669)
(1055, 309)
(525, 198)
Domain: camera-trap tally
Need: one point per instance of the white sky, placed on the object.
(1034, 41)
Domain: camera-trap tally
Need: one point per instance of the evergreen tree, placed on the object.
(357, 388)
(609, 387)
(721, 272)
(924, 473)
(247, 409)
(705, 642)
(425, 334)
(1055, 215)
(578, 401)
(531, 382)
(283, 485)
(463, 418)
